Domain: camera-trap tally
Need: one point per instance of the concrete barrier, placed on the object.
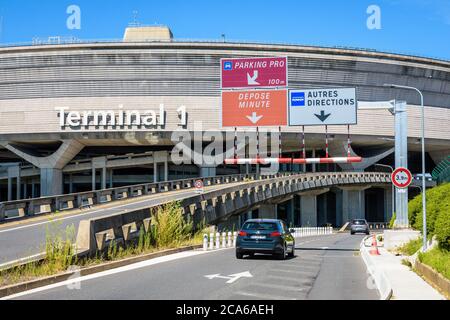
(221, 240)
(378, 276)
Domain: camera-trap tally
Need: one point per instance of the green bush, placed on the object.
(438, 202)
(392, 222)
(169, 227)
(442, 227)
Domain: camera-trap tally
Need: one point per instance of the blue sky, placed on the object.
(420, 27)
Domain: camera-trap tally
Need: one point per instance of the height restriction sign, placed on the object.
(401, 178)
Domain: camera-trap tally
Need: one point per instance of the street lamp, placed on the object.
(424, 201)
(393, 188)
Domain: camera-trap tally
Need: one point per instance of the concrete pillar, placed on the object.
(104, 178)
(268, 211)
(401, 160)
(70, 183)
(353, 203)
(314, 168)
(308, 207)
(51, 182)
(155, 172)
(33, 189)
(93, 181)
(291, 213)
(9, 189)
(339, 199)
(166, 170)
(111, 177)
(25, 193)
(18, 187)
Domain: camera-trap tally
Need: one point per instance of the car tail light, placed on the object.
(275, 234)
(242, 233)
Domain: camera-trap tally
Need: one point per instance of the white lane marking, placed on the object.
(134, 266)
(232, 277)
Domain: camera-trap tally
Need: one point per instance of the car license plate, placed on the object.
(258, 237)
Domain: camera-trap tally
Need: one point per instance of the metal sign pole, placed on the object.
(401, 160)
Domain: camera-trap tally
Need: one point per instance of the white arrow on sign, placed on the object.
(254, 118)
(232, 277)
(252, 80)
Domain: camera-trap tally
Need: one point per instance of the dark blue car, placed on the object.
(266, 236)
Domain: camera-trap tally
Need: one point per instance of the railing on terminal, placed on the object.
(61, 40)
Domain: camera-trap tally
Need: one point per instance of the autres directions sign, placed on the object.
(322, 107)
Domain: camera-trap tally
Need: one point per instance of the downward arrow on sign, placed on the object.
(254, 118)
(252, 80)
(322, 116)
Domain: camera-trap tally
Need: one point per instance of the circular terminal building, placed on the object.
(83, 116)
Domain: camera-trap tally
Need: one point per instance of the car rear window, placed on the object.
(266, 226)
(359, 221)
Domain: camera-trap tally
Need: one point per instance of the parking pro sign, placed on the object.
(322, 107)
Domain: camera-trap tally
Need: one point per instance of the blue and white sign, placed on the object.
(297, 99)
(322, 107)
(228, 65)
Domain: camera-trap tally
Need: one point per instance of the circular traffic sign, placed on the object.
(199, 184)
(401, 178)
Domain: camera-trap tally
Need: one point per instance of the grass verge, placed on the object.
(438, 259)
(410, 248)
(169, 230)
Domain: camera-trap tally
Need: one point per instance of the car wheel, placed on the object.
(292, 253)
(352, 233)
(239, 255)
(251, 255)
(282, 255)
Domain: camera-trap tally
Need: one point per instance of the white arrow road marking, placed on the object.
(232, 277)
(254, 118)
(252, 80)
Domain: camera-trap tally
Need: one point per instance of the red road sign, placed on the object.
(199, 184)
(401, 178)
(254, 108)
(254, 72)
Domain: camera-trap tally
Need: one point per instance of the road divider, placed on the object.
(213, 241)
(378, 277)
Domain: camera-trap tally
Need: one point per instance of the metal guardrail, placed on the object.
(20, 209)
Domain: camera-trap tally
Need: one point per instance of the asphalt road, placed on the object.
(326, 267)
(27, 238)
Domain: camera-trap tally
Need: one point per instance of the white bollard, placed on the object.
(211, 241)
(205, 242)
(217, 240)
(224, 239)
(234, 239)
(230, 243)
